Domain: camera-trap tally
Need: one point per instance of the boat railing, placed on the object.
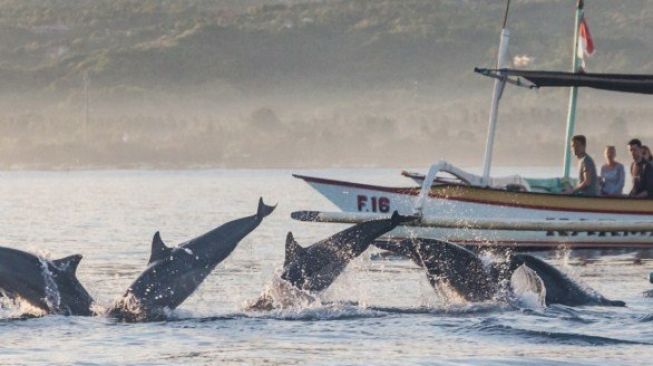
(467, 177)
(431, 175)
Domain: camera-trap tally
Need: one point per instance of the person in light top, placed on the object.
(613, 174)
(588, 181)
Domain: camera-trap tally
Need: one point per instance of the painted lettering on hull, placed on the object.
(373, 203)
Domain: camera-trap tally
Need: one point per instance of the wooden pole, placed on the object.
(573, 95)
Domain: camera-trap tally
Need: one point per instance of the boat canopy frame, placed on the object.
(533, 79)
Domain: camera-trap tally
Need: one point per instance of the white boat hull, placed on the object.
(352, 197)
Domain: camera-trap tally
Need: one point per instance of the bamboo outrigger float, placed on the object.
(510, 211)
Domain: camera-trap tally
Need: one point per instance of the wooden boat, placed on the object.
(461, 204)
(509, 211)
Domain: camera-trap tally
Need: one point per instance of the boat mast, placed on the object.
(571, 113)
(499, 84)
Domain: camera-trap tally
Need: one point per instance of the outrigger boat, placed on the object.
(516, 212)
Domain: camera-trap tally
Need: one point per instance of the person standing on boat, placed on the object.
(588, 181)
(646, 153)
(613, 174)
(641, 170)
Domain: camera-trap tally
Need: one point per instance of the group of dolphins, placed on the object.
(173, 273)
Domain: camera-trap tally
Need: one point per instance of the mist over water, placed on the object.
(297, 83)
(380, 312)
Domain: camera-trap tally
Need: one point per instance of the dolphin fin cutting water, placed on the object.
(173, 274)
(560, 289)
(49, 285)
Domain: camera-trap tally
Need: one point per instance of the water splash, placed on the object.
(448, 295)
(527, 289)
(14, 307)
(127, 307)
(52, 296)
(280, 294)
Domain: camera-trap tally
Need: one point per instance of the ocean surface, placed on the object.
(379, 312)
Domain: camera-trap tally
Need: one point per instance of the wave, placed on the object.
(575, 339)
(559, 312)
(336, 311)
(451, 310)
(646, 318)
(321, 313)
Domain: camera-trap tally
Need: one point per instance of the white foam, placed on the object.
(16, 307)
(528, 290)
(280, 294)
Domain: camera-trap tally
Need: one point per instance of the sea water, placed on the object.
(378, 312)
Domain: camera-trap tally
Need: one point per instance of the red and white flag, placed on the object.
(585, 42)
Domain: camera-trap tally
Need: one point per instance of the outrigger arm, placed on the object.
(597, 226)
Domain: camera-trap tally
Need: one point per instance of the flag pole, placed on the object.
(573, 95)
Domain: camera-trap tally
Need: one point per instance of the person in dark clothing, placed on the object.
(641, 170)
(646, 153)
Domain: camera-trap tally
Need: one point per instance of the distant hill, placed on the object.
(277, 83)
(360, 44)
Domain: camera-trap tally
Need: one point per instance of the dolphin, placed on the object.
(315, 267)
(173, 274)
(475, 280)
(560, 289)
(49, 285)
(451, 265)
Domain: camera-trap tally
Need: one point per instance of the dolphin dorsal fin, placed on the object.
(293, 249)
(68, 264)
(159, 249)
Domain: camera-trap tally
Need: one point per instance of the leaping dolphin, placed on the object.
(49, 285)
(475, 280)
(314, 268)
(173, 274)
(450, 265)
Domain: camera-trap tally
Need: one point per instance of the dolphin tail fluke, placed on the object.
(263, 209)
(397, 219)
